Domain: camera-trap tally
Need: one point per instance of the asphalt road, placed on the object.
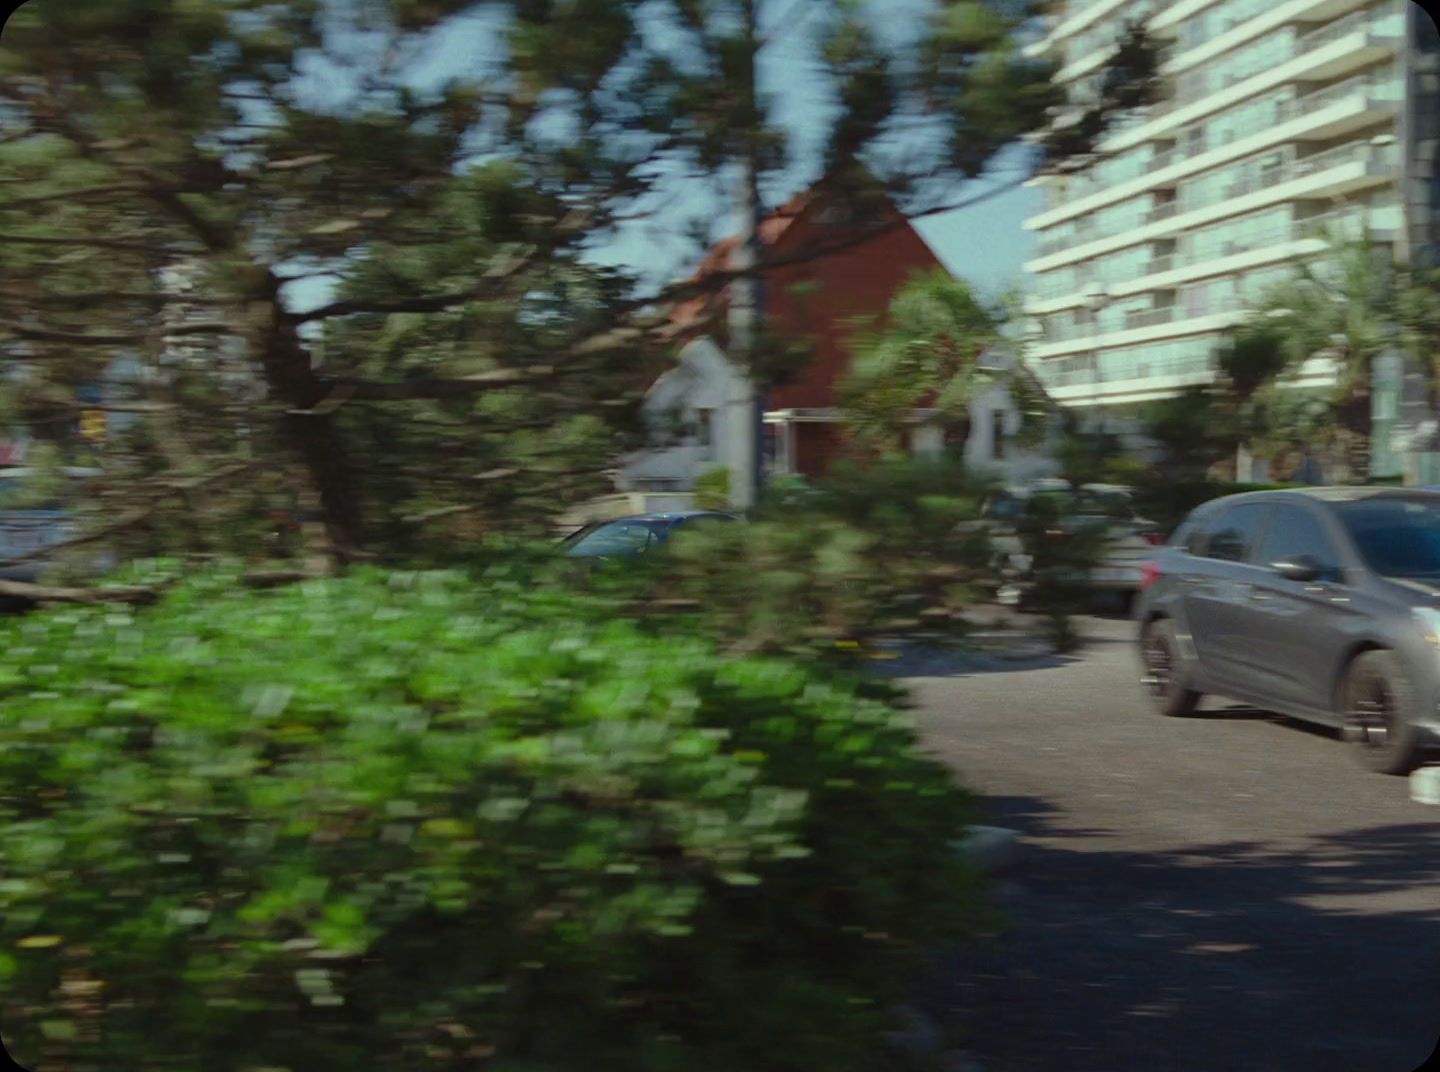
(1229, 892)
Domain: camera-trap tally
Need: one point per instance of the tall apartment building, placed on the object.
(1277, 118)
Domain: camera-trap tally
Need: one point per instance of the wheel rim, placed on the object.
(1370, 718)
(1159, 666)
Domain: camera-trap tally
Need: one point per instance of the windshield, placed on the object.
(613, 538)
(1397, 537)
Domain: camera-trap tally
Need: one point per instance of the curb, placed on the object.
(1425, 785)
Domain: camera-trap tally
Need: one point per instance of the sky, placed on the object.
(986, 244)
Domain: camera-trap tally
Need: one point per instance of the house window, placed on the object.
(705, 427)
(997, 434)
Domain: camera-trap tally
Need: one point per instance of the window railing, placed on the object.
(1162, 212)
(1124, 368)
(1324, 35)
(1377, 156)
(1346, 223)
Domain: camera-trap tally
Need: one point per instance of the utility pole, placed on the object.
(744, 419)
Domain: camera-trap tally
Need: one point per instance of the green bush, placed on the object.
(413, 821)
(867, 550)
(1061, 556)
(712, 489)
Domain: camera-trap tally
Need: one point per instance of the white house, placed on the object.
(700, 413)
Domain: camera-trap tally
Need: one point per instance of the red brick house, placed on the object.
(816, 301)
(813, 301)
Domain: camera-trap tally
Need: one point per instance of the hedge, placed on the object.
(415, 821)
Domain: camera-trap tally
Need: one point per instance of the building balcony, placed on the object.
(1256, 249)
(1097, 381)
(1335, 111)
(1142, 326)
(1243, 31)
(1325, 54)
(1334, 173)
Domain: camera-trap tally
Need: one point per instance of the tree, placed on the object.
(255, 147)
(926, 356)
(1194, 428)
(1345, 305)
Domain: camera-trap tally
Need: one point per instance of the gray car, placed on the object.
(1319, 603)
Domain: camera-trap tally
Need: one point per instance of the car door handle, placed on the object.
(1257, 595)
(1191, 578)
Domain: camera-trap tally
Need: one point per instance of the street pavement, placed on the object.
(1229, 892)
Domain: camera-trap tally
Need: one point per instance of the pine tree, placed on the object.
(476, 357)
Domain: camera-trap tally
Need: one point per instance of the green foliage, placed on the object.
(417, 820)
(1195, 428)
(1084, 457)
(1061, 554)
(458, 212)
(712, 489)
(925, 355)
(865, 551)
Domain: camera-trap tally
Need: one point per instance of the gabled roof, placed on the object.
(694, 313)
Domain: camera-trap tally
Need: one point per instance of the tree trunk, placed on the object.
(1355, 423)
(312, 436)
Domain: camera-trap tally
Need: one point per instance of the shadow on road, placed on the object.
(960, 662)
(1238, 955)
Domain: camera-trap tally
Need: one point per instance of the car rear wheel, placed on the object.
(1164, 678)
(1377, 714)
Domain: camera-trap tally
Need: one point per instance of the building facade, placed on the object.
(1280, 122)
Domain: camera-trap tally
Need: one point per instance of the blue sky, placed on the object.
(985, 244)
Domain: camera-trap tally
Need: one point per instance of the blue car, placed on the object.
(626, 537)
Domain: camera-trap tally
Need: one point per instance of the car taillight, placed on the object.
(1154, 539)
(1149, 574)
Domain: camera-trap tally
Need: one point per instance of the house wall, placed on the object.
(1014, 463)
(818, 300)
(701, 380)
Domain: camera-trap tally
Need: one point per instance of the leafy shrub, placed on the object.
(866, 550)
(712, 489)
(412, 821)
(1060, 557)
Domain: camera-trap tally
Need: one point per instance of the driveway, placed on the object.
(1224, 892)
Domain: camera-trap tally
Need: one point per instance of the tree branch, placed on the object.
(370, 391)
(92, 243)
(92, 191)
(91, 339)
(129, 518)
(433, 304)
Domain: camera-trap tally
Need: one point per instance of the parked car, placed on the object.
(1319, 603)
(626, 537)
(1129, 539)
(33, 527)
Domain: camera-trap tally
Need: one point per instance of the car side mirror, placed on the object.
(1302, 568)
